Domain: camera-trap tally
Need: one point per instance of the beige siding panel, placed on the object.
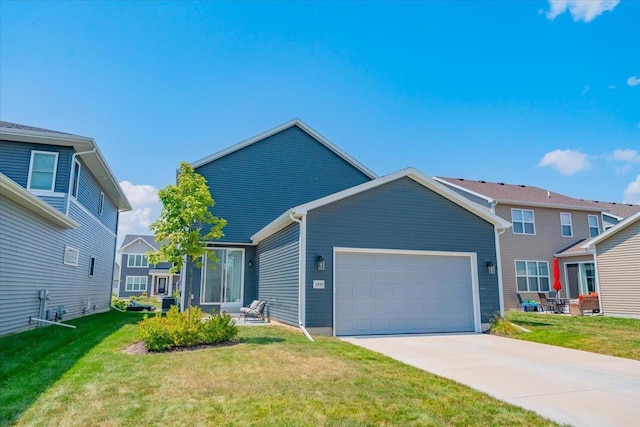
(539, 247)
(619, 272)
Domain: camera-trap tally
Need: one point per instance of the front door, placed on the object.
(223, 277)
(162, 285)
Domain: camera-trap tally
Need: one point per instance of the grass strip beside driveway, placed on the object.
(273, 377)
(612, 336)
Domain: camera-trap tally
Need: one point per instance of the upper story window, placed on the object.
(76, 179)
(594, 225)
(137, 260)
(523, 221)
(565, 224)
(42, 171)
(101, 203)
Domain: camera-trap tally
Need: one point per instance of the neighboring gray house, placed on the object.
(137, 276)
(333, 248)
(546, 225)
(618, 266)
(59, 207)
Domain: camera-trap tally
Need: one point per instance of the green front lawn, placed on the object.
(598, 334)
(274, 376)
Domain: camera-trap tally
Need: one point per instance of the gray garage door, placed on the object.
(393, 293)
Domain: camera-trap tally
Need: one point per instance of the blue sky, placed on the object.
(529, 92)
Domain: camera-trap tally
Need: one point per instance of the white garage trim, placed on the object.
(473, 263)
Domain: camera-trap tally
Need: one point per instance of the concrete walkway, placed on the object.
(567, 386)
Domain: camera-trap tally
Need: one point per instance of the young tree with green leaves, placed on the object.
(185, 214)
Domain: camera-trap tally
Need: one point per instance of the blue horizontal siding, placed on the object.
(256, 184)
(279, 274)
(89, 196)
(398, 215)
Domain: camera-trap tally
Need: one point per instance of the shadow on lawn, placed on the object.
(32, 361)
(261, 340)
(531, 323)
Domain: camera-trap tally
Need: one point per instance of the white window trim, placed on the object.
(126, 284)
(570, 224)
(596, 226)
(515, 265)
(533, 215)
(141, 260)
(101, 204)
(55, 170)
(75, 186)
(70, 250)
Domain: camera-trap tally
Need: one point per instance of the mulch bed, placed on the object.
(139, 347)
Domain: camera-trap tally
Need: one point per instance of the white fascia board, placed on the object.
(466, 190)
(18, 194)
(268, 133)
(273, 227)
(549, 205)
(613, 230)
(94, 160)
(420, 178)
(575, 254)
(616, 217)
(139, 239)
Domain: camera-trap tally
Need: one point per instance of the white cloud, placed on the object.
(627, 155)
(145, 206)
(632, 192)
(611, 87)
(633, 81)
(567, 162)
(581, 10)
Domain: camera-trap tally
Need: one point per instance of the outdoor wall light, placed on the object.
(491, 267)
(320, 262)
(250, 263)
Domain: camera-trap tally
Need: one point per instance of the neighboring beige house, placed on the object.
(617, 253)
(545, 225)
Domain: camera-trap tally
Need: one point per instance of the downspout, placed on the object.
(73, 164)
(499, 268)
(301, 272)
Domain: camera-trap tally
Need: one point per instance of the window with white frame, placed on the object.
(92, 266)
(137, 260)
(76, 178)
(532, 276)
(594, 225)
(523, 221)
(101, 203)
(71, 256)
(136, 283)
(42, 171)
(565, 224)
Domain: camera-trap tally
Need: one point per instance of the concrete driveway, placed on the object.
(568, 386)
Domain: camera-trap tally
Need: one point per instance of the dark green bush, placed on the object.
(185, 329)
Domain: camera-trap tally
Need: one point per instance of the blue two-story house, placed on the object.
(59, 207)
(335, 249)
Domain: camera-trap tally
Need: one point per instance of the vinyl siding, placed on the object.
(618, 260)
(125, 271)
(89, 196)
(256, 184)
(542, 246)
(279, 274)
(31, 255)
(399, 215)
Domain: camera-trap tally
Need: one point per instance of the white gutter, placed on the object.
(73, 164)
(301, 272)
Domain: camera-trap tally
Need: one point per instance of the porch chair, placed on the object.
(546, 303)
(255, 310)
(520, 302)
